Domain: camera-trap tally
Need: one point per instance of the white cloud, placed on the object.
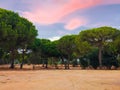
(75, 23)
(55, 38)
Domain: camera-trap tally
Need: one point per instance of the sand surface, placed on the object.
(60, 80)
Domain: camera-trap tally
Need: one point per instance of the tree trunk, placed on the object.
(21, 65)
(54, 60)
(65, 66)
(100, 57)
(12, 64)
(56, 66)
(46, 63)
(43, 63)
(12, 59)
(62, 61)
(33, 66)
(68, 62)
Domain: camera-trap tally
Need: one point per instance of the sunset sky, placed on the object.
(55, 18)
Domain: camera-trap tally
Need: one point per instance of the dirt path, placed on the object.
(60, 80)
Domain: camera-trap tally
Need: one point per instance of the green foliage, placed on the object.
(116, 43)
(97, 46)
(83, 47)
(1, 53)
(93, 57)
(74, 62)
(44, 48)
(67, 45)
(15, 32)
(118, 59)
(99, 37)
(84, 62)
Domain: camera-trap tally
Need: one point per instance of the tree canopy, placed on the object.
(93, 47)
(15, 32)
(99, 37)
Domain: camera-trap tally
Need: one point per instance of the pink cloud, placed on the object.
(110, 2)
(75, 23)
(53, 11)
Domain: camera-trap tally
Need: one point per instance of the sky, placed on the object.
(56, 18)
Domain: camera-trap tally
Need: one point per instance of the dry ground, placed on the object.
(60, 80)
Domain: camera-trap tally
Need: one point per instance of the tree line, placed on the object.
(95, 48)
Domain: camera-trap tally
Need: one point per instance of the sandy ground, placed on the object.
(60, 80)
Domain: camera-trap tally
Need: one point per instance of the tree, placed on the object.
(49, 50)
(93, 58)
(67, 46)
(1, 56)
(82, 47)
(16, 32)
(36, 55)
(116, 43)
(42, 48)
(112, 51)
(99, 37)
(53, 52)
